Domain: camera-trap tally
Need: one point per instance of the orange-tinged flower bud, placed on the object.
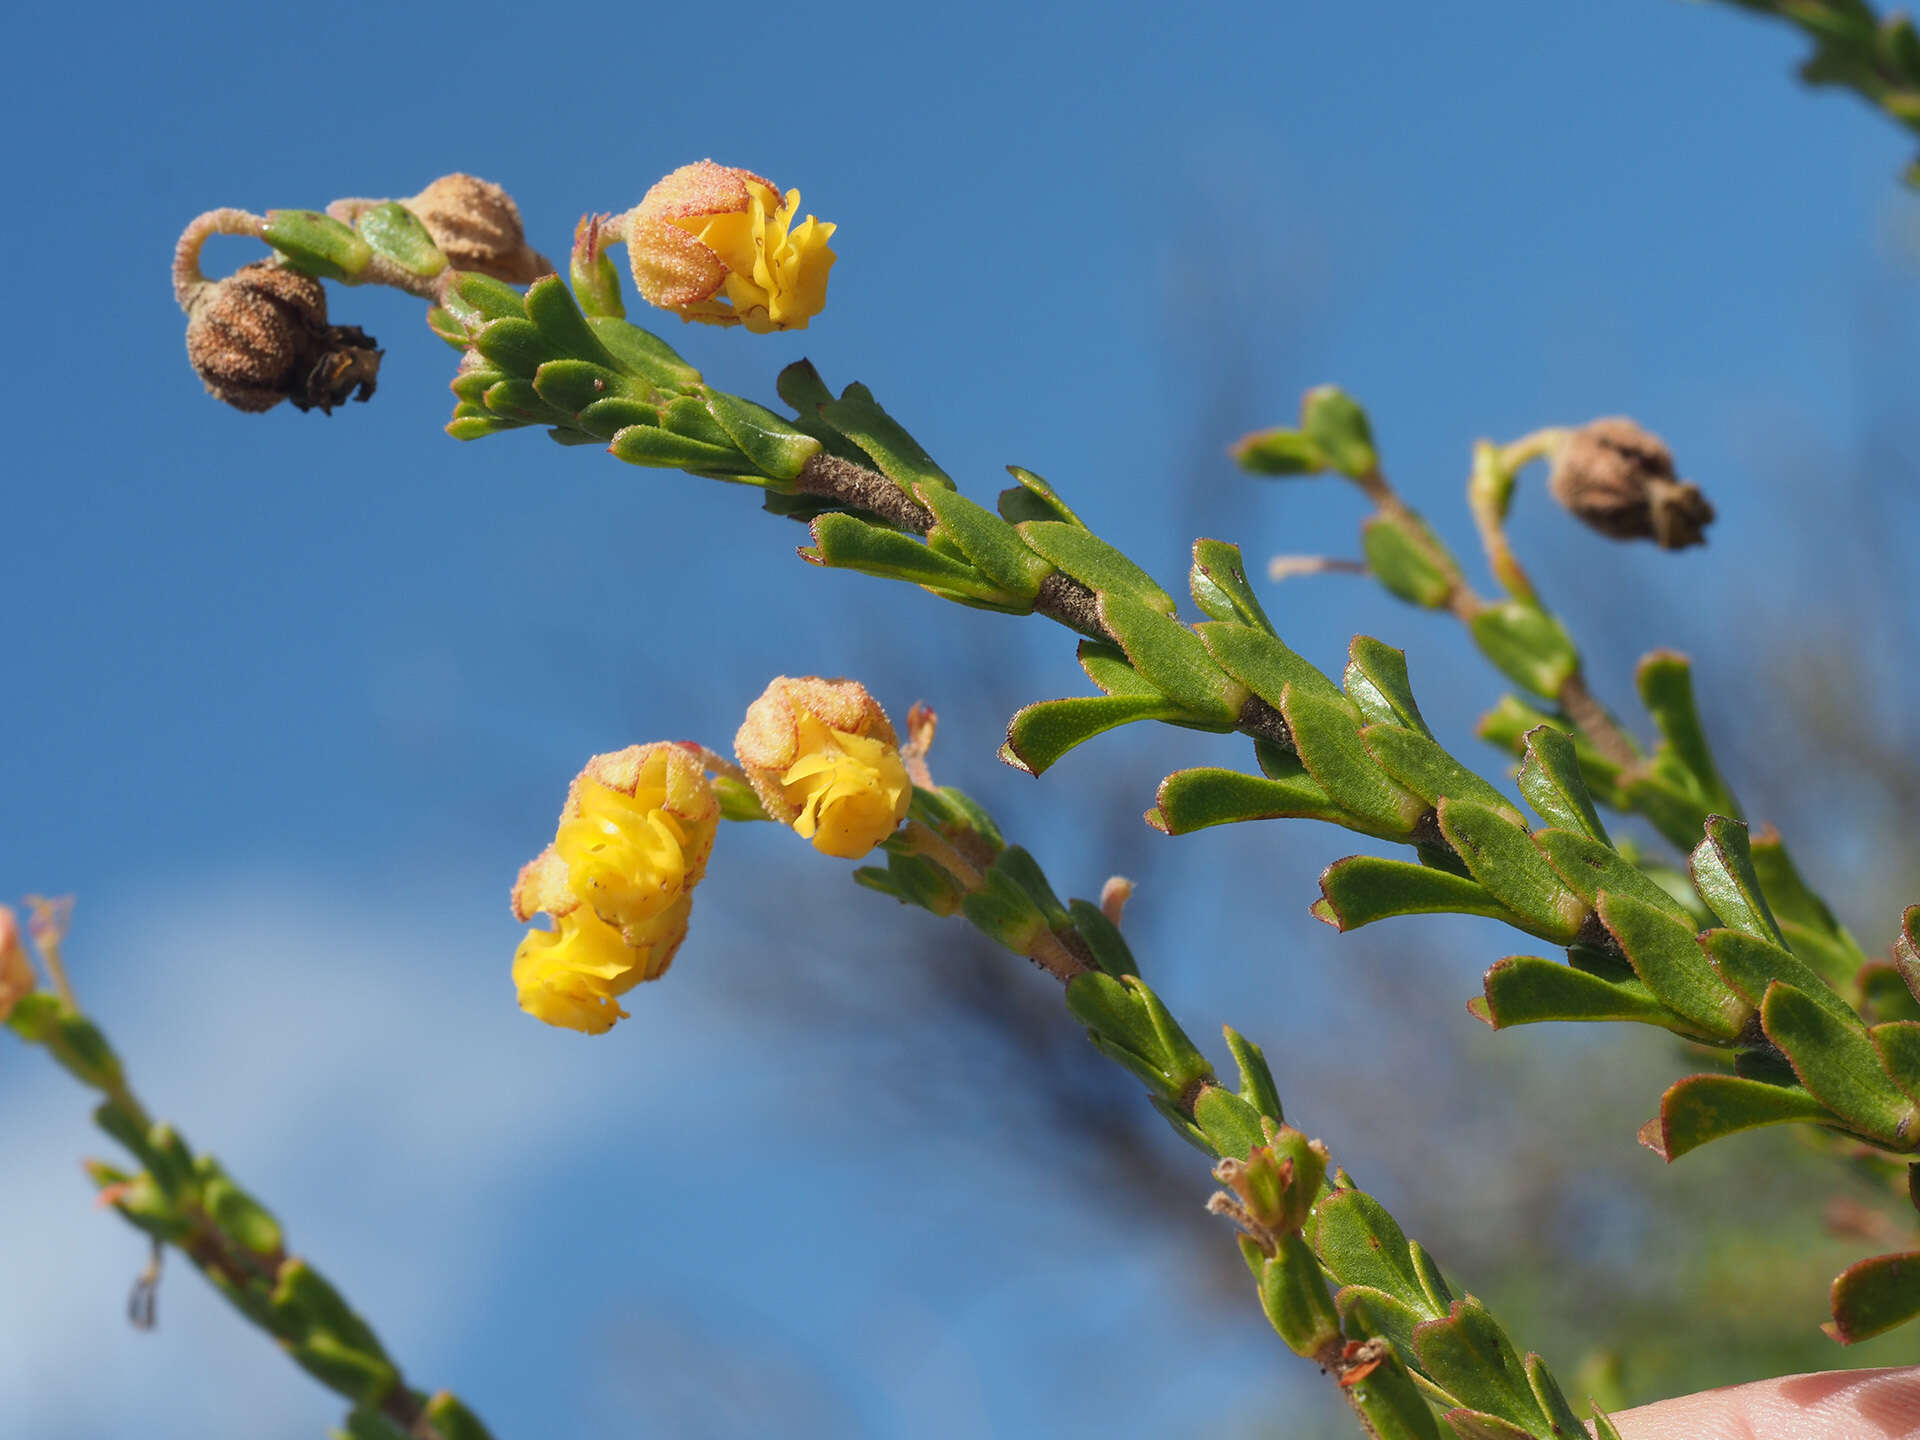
(822, 757)
(719, 244)
(633, 841)
(17, 979)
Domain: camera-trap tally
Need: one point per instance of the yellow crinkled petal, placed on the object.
(852, 790)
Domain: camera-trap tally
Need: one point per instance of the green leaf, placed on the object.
(845, 542)
(573, 385)
(83, 1050)
(1094, 563)
(1418, 762)
(1264, 664)
(1327, 738)
(1588, 867)
(1295, 1297)
(317, 244)
(1104, 940)
(994, 546)
(1113, 1012)
(1040, 733)
(1361, 1244)
(551, 307)
(1364, 888)
(1376, 680)
(1107, 666)
(244, 1219)
(1186, 1066)
(858, 416)
(1339, 429)
(1400, 552)
(1020, 867)
(919, 881)
(776, 448)
(1279, 452)
(1668, 958)
(1500, 855)
(1005, 913)
(515, 399)
(1256, 1080)
(1898, 1042)
(1230, 1123)
(644, 354)
(1173, 658)
(1800, 912)
(1191, 800)
(1551, 1399)
(311, 1305)
(1874, 1296)
(1507, 724)
(1033, 499)
(1369, 1308)
(1219, 584)
(1551, 781)
(688, 415)
(516, 346)
(1749, 965)
(364, 1379)
(1527, 645)
(443, 324)
(1432, 1283)
(1527, 989)
(1840, 1065)
(1665, 680)
(394, 231)
(1723, 873)
(473, 299)
(454, 1420)
(1676, 811)
(1906, 950)
(1469, 1355)
(653, 445)
(1478, 1425)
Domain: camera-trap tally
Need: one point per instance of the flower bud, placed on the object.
(477, 227)
(719, 244)
(822, 757)
(17, 978)
(1619, 479)
(261, 336)
(633, 841)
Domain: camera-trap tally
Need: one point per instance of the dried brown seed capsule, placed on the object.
(1619, 479)
(261, 336)
(477, 227)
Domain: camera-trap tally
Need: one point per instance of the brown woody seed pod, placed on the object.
(261, 336)
(1619, 479)
(477, 227)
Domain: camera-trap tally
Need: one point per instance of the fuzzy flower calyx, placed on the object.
(822, 757)
(477, 226)
(261, 336)
(1619, 479)
(633, 841)
(719, 244)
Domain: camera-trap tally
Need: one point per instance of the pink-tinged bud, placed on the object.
(822, 757)
(477, 227)
(17, 978)
(719, 244)
(261, 336)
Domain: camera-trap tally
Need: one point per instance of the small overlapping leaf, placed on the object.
(1364, 888)
(1190, 800)
(1528, 989)
(1874, 1296)
(1401, 553)
(1527, 645)
(1702, 1108)
(1840, 1066)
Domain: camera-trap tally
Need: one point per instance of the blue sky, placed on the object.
(293, 697)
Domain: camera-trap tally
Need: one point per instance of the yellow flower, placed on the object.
(822, 757)
(719, 244)
(633, 841)
(17, 980)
